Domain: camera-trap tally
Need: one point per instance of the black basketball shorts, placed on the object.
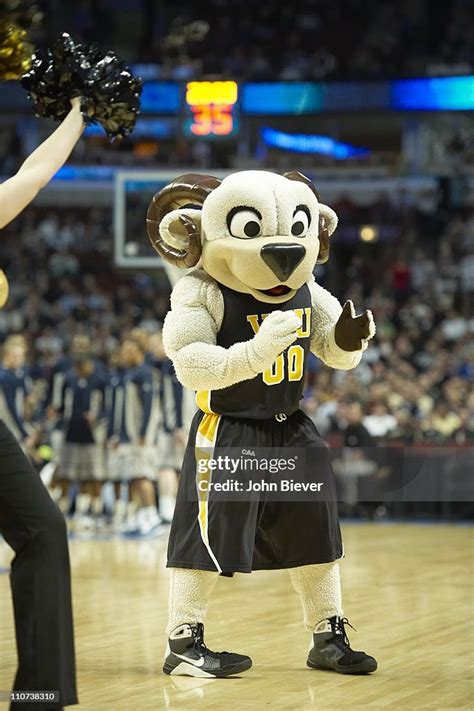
(212, 533)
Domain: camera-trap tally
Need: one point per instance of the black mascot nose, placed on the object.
(282, 258)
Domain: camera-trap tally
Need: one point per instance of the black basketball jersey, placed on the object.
(280, 388)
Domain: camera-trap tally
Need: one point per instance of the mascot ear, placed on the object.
(327, 225)
(174, 220)
(327, 216)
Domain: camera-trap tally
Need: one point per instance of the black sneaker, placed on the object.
(331, 650)
(187, 655)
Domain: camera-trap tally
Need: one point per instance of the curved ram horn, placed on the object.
(184, 191)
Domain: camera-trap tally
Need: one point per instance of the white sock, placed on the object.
(97, 505)
(189, 594)
(149, 514)
(132, 509)
(64, 504)
(83, 504)
(120, 509)
(319, 588)
(167, 504)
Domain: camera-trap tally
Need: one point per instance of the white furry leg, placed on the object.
(319, 588)
(189, 595)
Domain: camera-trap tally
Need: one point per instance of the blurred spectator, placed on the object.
(302, 40)
(357, 433)
(401, 275)
(379, 423)
(415, 382)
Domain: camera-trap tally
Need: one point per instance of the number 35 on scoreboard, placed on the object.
(214, 109)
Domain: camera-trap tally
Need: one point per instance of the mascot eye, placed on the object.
(301, 220)
(244, 223)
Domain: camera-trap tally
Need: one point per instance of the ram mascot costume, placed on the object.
(239, 332)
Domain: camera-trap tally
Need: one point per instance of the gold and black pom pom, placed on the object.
(17, 17)
(15, 51)
(110, 95)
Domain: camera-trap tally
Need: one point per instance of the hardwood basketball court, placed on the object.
(408, 589)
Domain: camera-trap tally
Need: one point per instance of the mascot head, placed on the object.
(256, 232)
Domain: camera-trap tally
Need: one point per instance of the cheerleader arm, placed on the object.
(38, 169)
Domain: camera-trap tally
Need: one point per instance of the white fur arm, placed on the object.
(325, 312)
(189, 337)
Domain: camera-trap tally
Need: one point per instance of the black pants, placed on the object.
(33, 526)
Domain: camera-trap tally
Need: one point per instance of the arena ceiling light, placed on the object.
(311, 143)
(369, 233)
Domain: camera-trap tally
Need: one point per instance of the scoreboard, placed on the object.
(211, 109)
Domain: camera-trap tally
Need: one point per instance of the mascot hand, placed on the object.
(351, 330)
(277, 332)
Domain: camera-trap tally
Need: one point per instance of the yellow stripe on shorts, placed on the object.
(206, 437)
(203, 401)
